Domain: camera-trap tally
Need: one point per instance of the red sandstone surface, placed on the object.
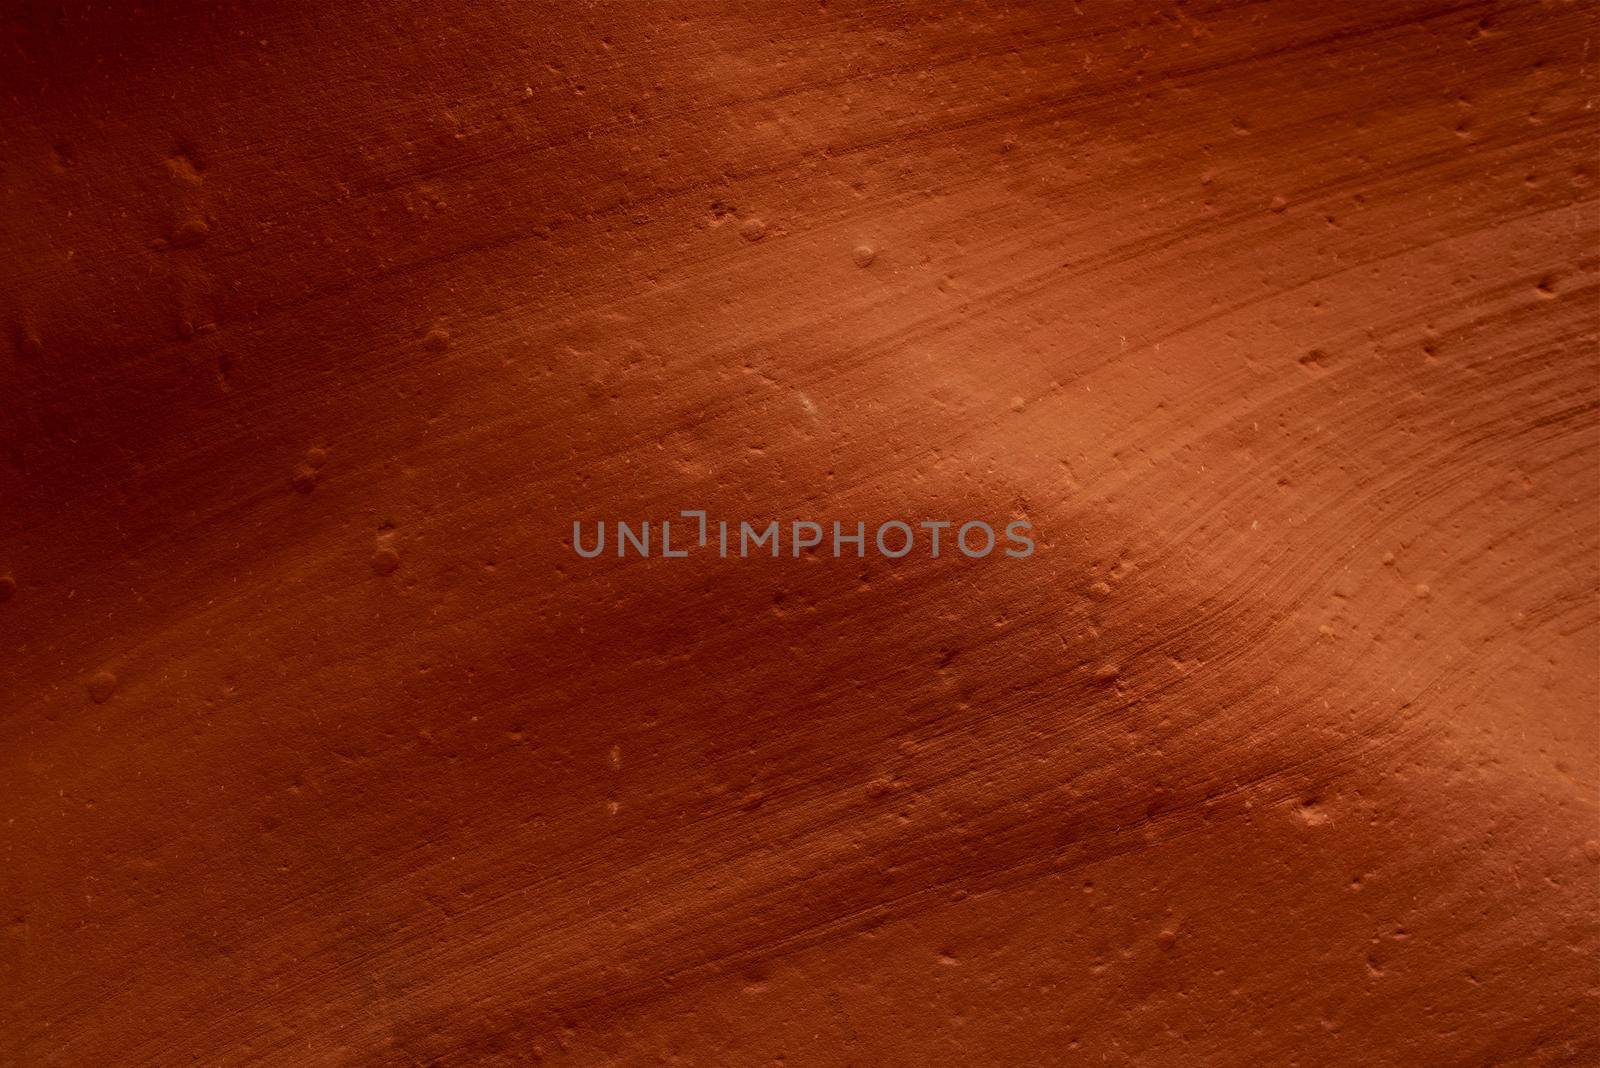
(320, 745)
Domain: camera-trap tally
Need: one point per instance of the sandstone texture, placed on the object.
(321, 324)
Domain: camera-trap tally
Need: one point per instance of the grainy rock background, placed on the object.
(320, 746)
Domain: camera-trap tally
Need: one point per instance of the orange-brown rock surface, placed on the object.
(323, 323)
